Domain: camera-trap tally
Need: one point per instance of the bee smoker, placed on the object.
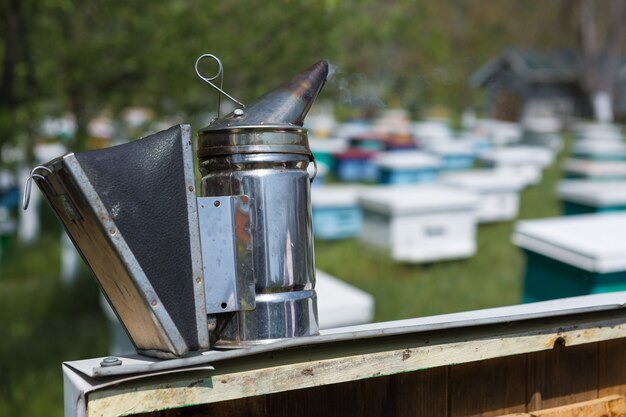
(232, 268)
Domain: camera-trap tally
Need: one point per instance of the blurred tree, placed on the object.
(17, 77)
(90, 57)
(603, 43)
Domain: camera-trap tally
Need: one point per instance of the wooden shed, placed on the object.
(522, 83)
(557, 358)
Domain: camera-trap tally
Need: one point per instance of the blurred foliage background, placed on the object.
(85, 57)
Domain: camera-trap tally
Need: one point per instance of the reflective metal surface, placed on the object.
(262, 151)
(283, 258)
(226, 253)
(286, 104)
(255, 139)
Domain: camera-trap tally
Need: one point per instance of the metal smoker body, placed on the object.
(277, 185)
(263, 153)
(232, 268)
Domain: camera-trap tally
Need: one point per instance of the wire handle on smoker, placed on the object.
(28, 185)
(220, 74)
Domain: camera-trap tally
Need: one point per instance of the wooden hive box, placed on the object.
(563, 358)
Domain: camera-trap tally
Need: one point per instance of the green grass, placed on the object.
(43, 322)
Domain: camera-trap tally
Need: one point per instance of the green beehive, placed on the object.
(573, 255)
(595, 170)
(587, 196)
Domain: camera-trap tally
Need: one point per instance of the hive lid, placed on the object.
(484, 180)
(339, 195)
(411, 199)
(407, 160)
(595, 168)
(519, 155)
(593, 193)
(599, 147)
(451, 147)
(593, 242)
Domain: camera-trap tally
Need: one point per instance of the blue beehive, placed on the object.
(355, 165)
(454, 155)
(587, 196)
(595, 170)
(573, 255)
(336, 212)
(407, 167)
(324, 151)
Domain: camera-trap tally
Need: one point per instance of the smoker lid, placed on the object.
(593, 193)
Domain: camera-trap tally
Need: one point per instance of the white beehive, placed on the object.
(431, 131)
(420, 223)
(524, 161)
(499, 132)
(499, 192)
(340, 304)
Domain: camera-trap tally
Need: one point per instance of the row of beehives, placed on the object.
(419, 222)
(583, 252)
(392, 149)
(428, 201)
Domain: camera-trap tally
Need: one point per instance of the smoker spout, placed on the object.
(287, 104)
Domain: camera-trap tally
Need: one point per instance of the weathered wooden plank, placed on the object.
(336, 400)
(563, 375)
(612, 367)
(243, 407)
(290, 370)
(419, 393)
(610, 406)
(488, 388)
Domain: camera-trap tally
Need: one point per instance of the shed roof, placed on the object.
(532, 65)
